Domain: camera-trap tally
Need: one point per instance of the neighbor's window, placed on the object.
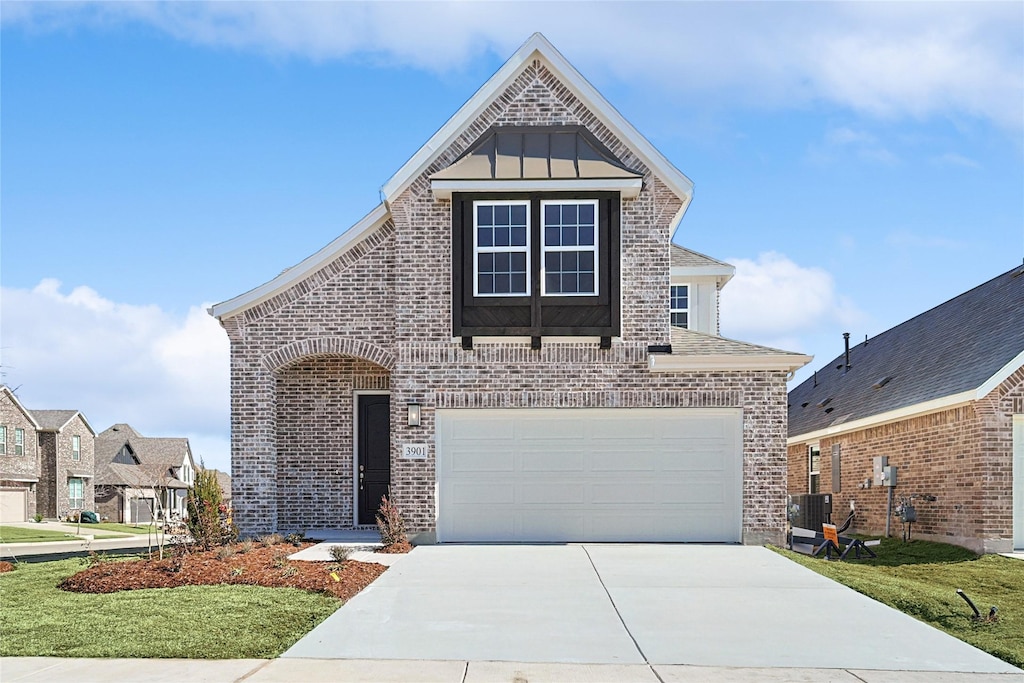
(19, 441)
(76, 492)
(76, 447)
(569, 247)
(813, 469)
(501, 248)
(3, 440)
(680, 306)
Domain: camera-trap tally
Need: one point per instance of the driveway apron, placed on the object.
(706, 605)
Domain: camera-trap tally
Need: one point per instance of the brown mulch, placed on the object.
(260, 566)
(395, 548)
(6, 567)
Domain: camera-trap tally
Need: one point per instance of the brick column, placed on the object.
(253, 447)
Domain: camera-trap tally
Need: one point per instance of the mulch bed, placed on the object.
(395, 548)
(6, 566)
(259, 566)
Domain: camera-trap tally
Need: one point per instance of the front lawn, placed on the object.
(920, 578)
(123, 528)
(17, 534)
(200, 622)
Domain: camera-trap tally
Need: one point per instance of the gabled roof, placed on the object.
(5, 390)
(956, 352)
(692, 350)
(57, 420)
(538, 47)
(686, 262)
(157, 458)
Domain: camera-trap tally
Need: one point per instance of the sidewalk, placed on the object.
(82, 544)
(55, 670)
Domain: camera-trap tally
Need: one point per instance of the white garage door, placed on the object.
(13, 506)
(593, 474)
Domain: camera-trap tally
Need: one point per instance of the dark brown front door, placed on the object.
(374, 458)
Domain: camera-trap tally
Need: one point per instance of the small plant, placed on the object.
(340, 553)
(289, 571)
(244, 547)
(390, 523)
(270, 540)
(280, 561)
(209, 519)
(225, 552)
(38, 517)
(237, 571)
(296, 539)
(94, 558)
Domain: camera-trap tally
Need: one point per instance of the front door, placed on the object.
(374, 456)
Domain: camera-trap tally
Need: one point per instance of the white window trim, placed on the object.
(72, 499)
(76, 447)
(689, 293)
(477, 249)
(544, 249)
(19, 441)
(813, 473)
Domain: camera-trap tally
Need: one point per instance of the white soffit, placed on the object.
(1004, 372)
(682, 363)
(297, 273)
(539, 47)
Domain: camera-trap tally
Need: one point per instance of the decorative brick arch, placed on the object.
(327, 346)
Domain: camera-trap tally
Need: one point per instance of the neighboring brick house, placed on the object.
(942, 397)
(19, 459)
(67, 463)
(141, 478)
(493, 345)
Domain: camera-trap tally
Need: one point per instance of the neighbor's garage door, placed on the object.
(593, 474)
(14, 506)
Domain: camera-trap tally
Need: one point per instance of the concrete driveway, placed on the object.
(705, 605)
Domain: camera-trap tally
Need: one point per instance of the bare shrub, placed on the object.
(340, 553)
(390, 523)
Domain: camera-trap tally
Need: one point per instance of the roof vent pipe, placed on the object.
(846, 341)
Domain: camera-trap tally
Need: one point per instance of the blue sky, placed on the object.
(857, 163)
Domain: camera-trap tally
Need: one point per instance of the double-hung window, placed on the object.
(76, 493)
(680, 306)
(569, 248)
(19, 441)
(501, 248)
(3, 440)
(76, 447)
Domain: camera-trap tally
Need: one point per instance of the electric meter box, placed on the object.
(880, 463)
(889, 475)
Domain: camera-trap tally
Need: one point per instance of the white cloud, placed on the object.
(954, 159)
(910, 240)
(166, 375)
(885, 59)
(776, 302)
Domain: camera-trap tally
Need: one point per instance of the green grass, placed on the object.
(920, 578)
(16, 534)
(122, 528)
(198, 622)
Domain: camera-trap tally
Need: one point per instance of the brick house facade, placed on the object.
(952, 422)
(67, 462)
(372, 314)
(19, 463)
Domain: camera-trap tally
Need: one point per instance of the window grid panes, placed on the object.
(814, 469)
(19, 441)
(76, 447)
(3, 440)
(76, 492)
(680, 305)
(569, 231)
(501, 244)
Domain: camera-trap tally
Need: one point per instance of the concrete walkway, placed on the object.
(53, 670)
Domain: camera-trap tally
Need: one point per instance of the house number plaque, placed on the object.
(415, 451)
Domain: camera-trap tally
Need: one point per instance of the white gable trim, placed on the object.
(1004, 372)
(369, 223)
(683, 363)
(629, 187)
(24, 411)
(539, 47)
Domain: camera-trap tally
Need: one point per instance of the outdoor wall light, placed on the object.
(414, 414)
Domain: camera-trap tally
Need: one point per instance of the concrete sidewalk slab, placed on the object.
(358, 671)
(749, 607)
(57, 670)
(360, 552)
(521, 672)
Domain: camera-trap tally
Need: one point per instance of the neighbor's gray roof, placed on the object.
(536, 152)
(692, 343)
(52, 420)
(157, 455)
(955, 347)
(687, 258)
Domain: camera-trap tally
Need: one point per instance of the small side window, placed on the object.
(19, 441)
(76, 447)
(680, 306)
(3, 440)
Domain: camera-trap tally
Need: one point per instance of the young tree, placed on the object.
(209, 522)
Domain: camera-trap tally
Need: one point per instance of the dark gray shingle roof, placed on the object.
(52, 420)
(156, 457)
(952, 348)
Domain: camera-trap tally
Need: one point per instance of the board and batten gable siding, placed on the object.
(388, 299)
